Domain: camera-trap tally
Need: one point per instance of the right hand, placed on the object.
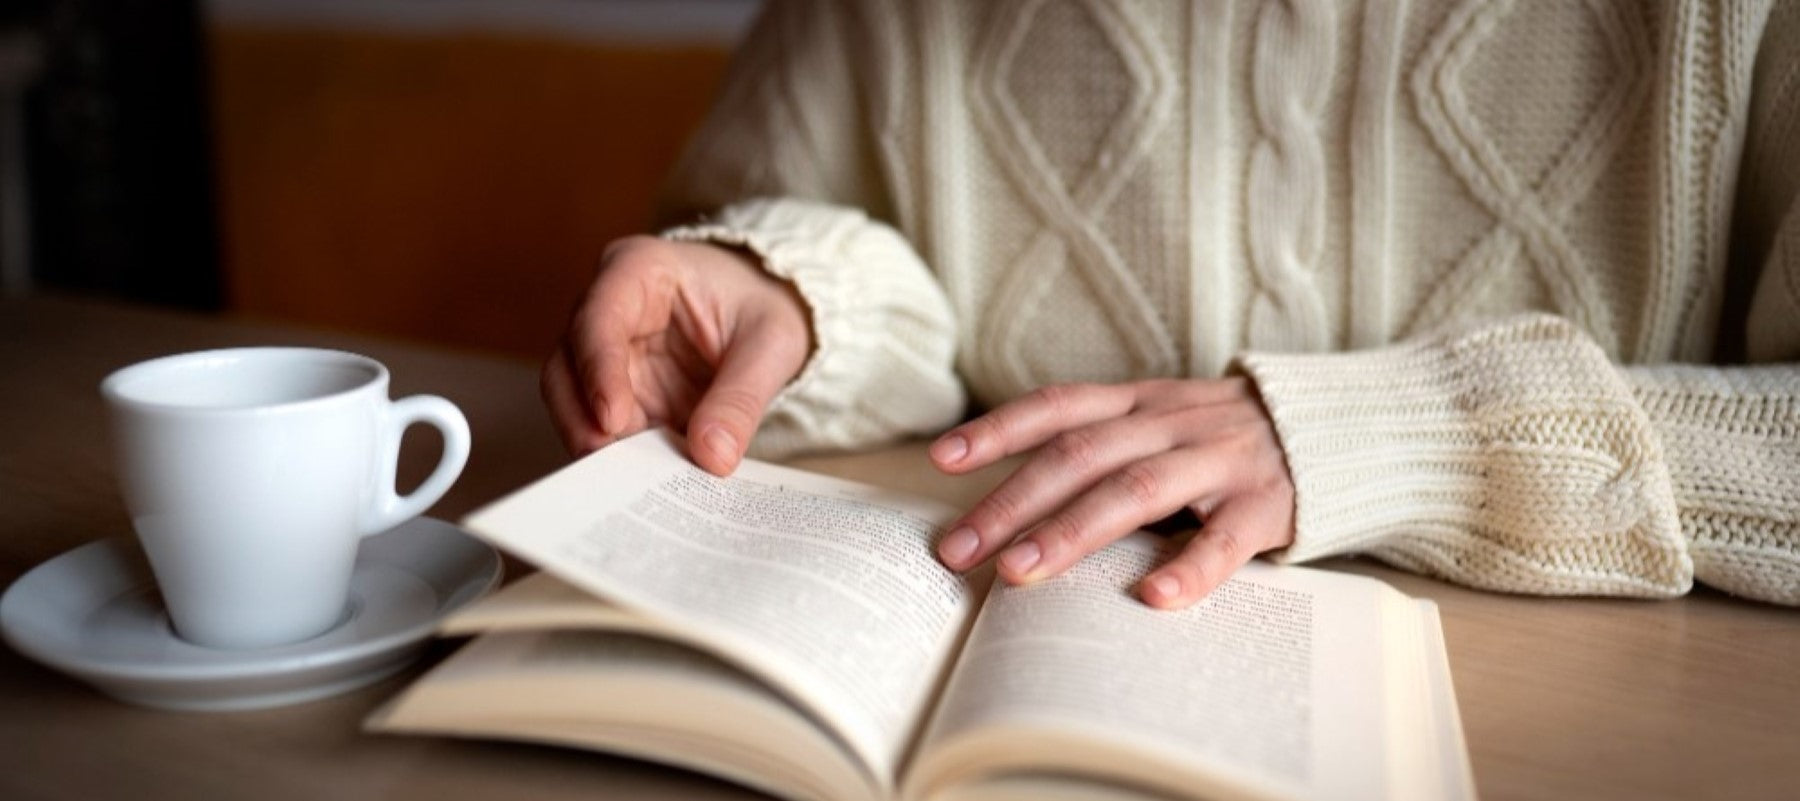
(689, 335)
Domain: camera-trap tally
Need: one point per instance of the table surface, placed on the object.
(1560, 698)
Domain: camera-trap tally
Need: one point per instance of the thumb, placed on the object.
(753, 369)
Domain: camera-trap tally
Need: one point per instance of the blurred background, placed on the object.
(445, 171)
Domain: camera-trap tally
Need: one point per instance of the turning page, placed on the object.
(824, 588)
(1279, 684)
(641, 696)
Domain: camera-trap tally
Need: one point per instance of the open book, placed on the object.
(794, 633)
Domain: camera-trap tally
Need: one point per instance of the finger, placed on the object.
(568, 410)
(1120, 503)
(667, 393)
(1242, 527)
(1175, 393)
(629, 300)
(1025, 423)
(753, 369)
(681, 353)
(1068, 464)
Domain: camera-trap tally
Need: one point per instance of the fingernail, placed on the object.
(950, 449)
(958, 546)
(1163, 588)
(723, 446)
(1020, 558)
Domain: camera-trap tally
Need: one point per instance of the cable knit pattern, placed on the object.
(1105, 190)
(1069, 158)
(1705, 98)
(1511, 456)
(1285, 198)
(880, 323)
(1528, 204)
(1371, 175)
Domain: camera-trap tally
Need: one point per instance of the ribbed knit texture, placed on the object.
(1511, 456)
(1733, 443)
(1103, 191)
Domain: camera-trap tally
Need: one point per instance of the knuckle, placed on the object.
(1153, 392)
(1074, 450)
(1001, 507)
(1060, 398)
(634, 264)
(1139, 483)
(1276, 488)
(1229, 545)
(1204, 506)
(989, 427)
(637, 247)
(1236, 442)
(1059, 534)
(740, 405)
(1249, 445)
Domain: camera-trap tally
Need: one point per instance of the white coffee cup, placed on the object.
(252, 475)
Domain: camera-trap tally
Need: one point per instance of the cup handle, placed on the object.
(392, 509)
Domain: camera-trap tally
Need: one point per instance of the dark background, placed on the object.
(442, 172)
(116, 148)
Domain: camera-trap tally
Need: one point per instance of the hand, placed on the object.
(689, 335)
(1118, 457)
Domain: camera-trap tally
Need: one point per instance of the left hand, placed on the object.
(1118, 457)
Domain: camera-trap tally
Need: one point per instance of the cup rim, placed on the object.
(112, 387)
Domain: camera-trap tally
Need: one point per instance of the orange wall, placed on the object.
(451, 189)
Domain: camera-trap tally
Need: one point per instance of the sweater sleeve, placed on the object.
(1513, 456)
(787, 166)
(1732, 434)
(884, 338)
(1732, 441)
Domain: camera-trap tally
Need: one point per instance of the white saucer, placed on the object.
(94, 613)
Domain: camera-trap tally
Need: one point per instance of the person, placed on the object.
(1436, 282)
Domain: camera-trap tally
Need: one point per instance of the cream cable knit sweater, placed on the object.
(1430, 231)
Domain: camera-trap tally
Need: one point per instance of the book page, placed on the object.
(631, 695)
(542, 602)
(827, 589)
(1455, 778)
(1273, 686)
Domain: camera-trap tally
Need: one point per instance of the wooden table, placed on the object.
(1588, 699)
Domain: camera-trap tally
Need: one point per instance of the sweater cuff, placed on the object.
(1730, 437)
(1510, 456)
(882, 364)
